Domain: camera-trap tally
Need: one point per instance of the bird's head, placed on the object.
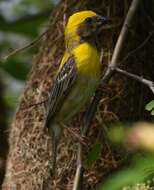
(85, 25)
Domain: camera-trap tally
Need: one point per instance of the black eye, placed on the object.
(105, 19)
(89, 20)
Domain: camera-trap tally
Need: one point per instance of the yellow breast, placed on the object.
(87, 60)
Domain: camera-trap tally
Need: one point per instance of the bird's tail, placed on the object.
(55, 131)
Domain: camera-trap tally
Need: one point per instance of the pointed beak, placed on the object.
(103, 20)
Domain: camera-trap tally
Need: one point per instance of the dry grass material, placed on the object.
(29, 161)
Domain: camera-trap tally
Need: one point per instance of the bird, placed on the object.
(78, 75)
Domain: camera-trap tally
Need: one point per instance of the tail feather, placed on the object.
(55, 131)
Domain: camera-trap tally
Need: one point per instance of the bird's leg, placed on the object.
(75, 132)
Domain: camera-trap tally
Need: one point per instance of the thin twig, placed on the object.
(140, 79)
(79, 171)
(114, 61)
(34, 104)
(107, 75)
(34, 42)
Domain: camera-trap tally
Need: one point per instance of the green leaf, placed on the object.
(116, 133)
(94, 154)
(11, 100)
(27, 25)
(141, 169)
(150, 106)
(152, 112)
(16, 69)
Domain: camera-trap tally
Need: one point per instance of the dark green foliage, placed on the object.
(27, 20)
(150, 107)
(94, 154)
(140, 170)
(16, 69)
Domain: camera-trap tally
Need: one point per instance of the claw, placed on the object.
(75, 132)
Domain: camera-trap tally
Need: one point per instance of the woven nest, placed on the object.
(123, 100)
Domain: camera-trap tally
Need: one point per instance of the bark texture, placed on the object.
(29, 161)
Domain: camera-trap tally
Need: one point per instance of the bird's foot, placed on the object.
(75, 132)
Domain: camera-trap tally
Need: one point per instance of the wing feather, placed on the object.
(62, 84)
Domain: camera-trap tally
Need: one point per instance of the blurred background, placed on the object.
(21, 21)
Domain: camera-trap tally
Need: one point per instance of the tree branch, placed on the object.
(114, 61)
(31, 44)
(140, 79)
(107, 75)
(80, 170)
